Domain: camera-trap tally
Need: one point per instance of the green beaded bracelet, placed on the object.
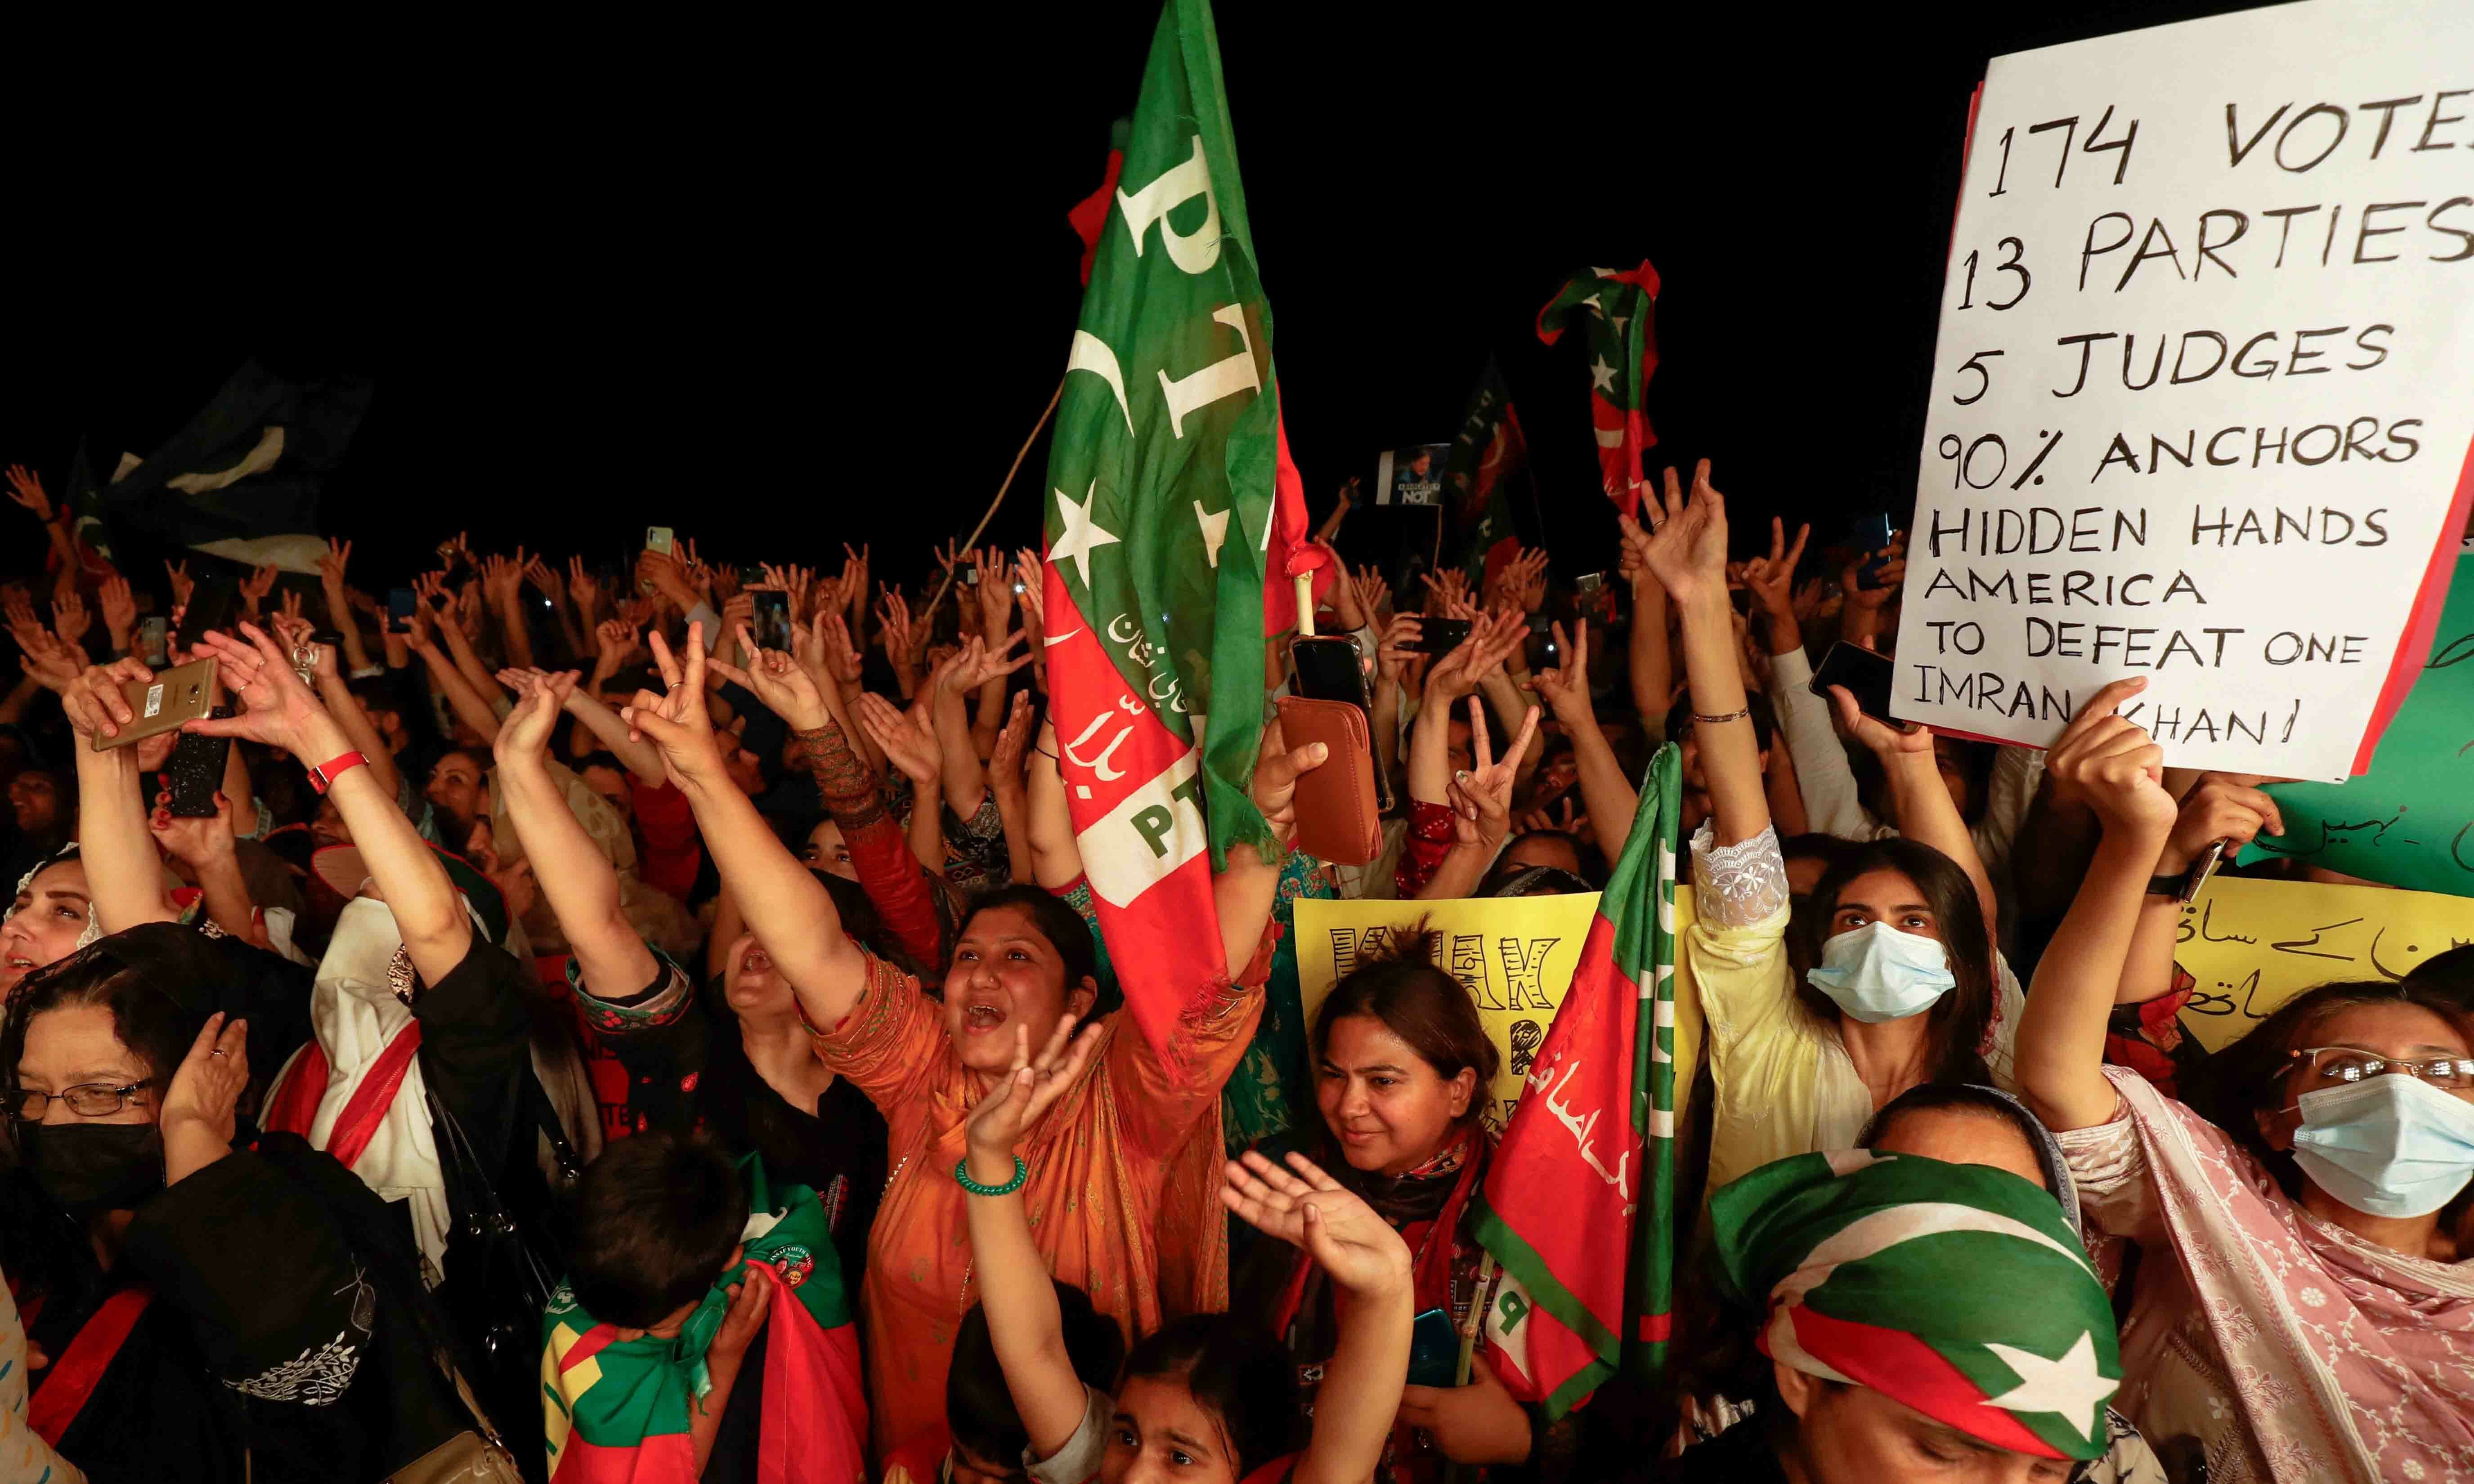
(962, 1178)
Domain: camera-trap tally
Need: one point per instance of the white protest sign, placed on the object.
(2204, 384)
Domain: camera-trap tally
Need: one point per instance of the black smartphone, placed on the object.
(194, 770)
(1871, 534)
(1434, 1350)
(210, 608)
(1329, 668)
(1439, 636)
(771, 622)
(1865, 673)
(401, 604)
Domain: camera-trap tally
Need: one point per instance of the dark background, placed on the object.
(780, 290)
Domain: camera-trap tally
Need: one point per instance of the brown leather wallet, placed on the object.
(1338, 819)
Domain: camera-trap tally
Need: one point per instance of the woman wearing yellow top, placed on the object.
(1893, 980)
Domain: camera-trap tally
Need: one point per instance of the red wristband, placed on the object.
(322, 777)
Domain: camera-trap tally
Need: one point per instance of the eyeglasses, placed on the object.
(86, 1100)
(2350, 1064)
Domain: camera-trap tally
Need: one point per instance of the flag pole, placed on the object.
(972, 542)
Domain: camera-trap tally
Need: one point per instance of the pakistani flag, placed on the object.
(241, 480)
(1490, 461)
(1957, 1290)
(1172, 519)
(1623, 355)
(1579, 1204)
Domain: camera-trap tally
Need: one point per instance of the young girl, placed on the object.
(1207, 1398)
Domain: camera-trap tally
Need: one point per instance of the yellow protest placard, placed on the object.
(1514, 956)
(2251, 946)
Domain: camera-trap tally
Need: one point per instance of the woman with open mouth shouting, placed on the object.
(1120, 1173)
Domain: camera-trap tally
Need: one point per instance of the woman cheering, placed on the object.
(1119, 1172)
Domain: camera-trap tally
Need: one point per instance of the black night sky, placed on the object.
(780, 290)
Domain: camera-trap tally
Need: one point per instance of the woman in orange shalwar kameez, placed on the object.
(1123, 1170)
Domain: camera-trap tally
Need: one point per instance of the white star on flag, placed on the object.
(1603, 374)
(1215, 529)
(2070, 1388)
(1081, 533)
(1620, 321)
(1595, 308)
(1603, 272)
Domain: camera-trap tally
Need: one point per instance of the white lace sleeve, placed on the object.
(1737, 885)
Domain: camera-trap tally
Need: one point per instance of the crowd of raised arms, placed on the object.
(574, 1027)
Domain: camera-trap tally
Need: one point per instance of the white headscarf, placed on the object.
(68, 852)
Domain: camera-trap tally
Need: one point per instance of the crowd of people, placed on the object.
(580, 1042)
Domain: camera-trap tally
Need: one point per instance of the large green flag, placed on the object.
(1168, 502)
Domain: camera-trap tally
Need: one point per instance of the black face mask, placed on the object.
(91, 1168)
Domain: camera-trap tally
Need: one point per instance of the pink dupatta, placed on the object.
(2349, 1361)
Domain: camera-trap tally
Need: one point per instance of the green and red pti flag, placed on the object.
(1489, 460)
(1957, 1289)
(1579, 1205)
(1174, 518)
(1622, 309)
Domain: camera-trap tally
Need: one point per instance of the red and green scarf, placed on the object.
(617, 1411)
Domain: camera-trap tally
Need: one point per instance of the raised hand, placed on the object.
(276, 706)
(1686, 546)
(978, 662)
(1027, 570)
(1566, 687)
(2226, 806)
(1493, 638)
(854, 582)
(1481, 797)
(1373, 594)
(996, 592)
(1885, 739)
(677, 720)
(1278, 767)
(1013, 744)
(1522, 581)
(1569, 822)
(26, 489)
(182, 585)
(582, 584)
(92, 696)
(255, 587)
(1392, 655)
(70, 619)
(1443, 588)
(331, 566)
(1305, 1208)
(1771, 578)
(197, 1115)
(907, 739)
(119, 609)
(829, 651)
(2113, 766)
(198, 842)
(540, 698)
(777, 679)
(544, 577)
(1893, 573)
(1029, 1088)
(614, 640)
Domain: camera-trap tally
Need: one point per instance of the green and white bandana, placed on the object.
(1957, 1290)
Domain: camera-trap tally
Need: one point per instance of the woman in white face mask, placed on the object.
(1891, 980)
(2303, 1311)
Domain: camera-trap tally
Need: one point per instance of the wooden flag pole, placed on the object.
(972, 542)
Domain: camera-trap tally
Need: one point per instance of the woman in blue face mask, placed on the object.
(2303, 1308)
(1887, 977)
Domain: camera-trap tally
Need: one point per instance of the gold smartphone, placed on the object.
(184, 693)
